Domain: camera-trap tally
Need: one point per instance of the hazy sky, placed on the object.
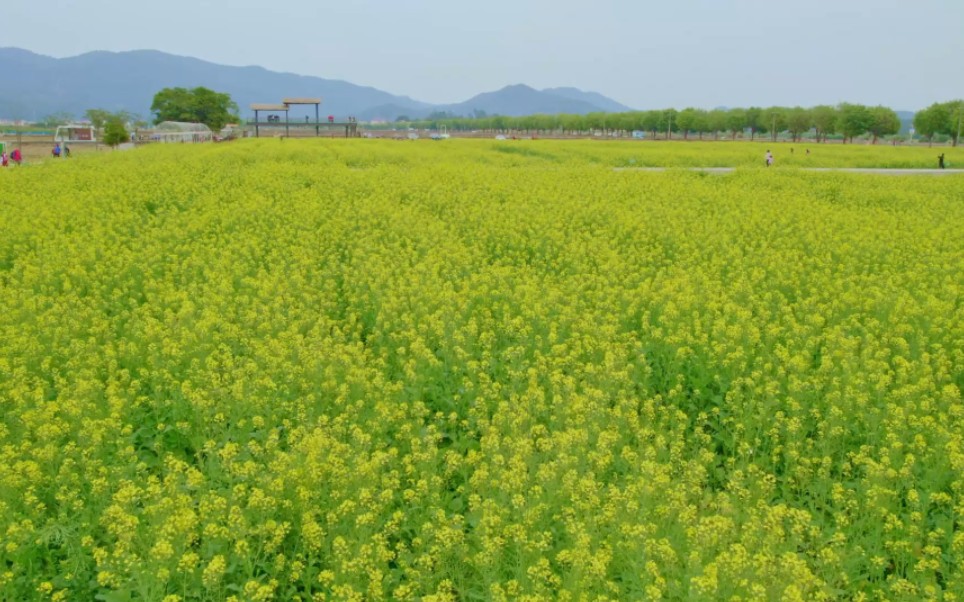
(647, 54)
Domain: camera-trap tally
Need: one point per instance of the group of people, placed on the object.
(769, 158)
(15, 157)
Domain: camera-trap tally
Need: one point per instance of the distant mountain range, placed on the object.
(33, 86)
(513, 101)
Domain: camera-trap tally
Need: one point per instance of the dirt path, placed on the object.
(869, 170)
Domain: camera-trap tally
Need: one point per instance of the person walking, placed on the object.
(16, 156)
(4, 161)
(940, 160)
(769, 158)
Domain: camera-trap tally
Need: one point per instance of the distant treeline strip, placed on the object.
(846, 119)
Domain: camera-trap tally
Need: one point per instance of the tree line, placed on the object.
(846, 120)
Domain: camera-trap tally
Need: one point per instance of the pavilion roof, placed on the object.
(265, 106)
(302, 101)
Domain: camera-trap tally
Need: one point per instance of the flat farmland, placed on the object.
(481, 370)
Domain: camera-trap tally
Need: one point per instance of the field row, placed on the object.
(362, 370)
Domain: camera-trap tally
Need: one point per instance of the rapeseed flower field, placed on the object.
(372, 370)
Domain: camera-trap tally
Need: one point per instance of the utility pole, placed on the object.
(960, 107)
(669, 126)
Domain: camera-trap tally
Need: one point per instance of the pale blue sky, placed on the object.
(705, 53)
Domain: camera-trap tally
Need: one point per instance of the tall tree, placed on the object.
(653, 121)
(173, 104)
(114, 131)
(773, 119)
(688, 121)
(574, 123)
(957, 107)
(946, 118)
(883, 122)
(799, 120)
(716, 122)
(639, 120)
(932, 120)
(199, 105)
(854, 120)
(702, 122)
(735, 121)
(753, 118)
(97, 117)
(825, 120)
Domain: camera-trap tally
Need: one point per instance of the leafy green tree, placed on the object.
(653, 121)
(97, 117)
(736, 121)
(173, 104)
(883, 122)
(637, 121)
(853, 120)
(596, 121)
(529, 123)
(716, 122)
(692, 120)
(542, 124)
(941, 118)
(773, 120)
(753, 119)
(688, 121)
(799, 120)
(825, 120)
(702, 122)
(114, 131)
(198, 105)
(956, 108)
(574, 123)
(932, 120)
(624, 122)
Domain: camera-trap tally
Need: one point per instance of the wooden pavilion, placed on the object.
(274, 120)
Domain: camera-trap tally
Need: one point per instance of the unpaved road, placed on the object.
(870, 170)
